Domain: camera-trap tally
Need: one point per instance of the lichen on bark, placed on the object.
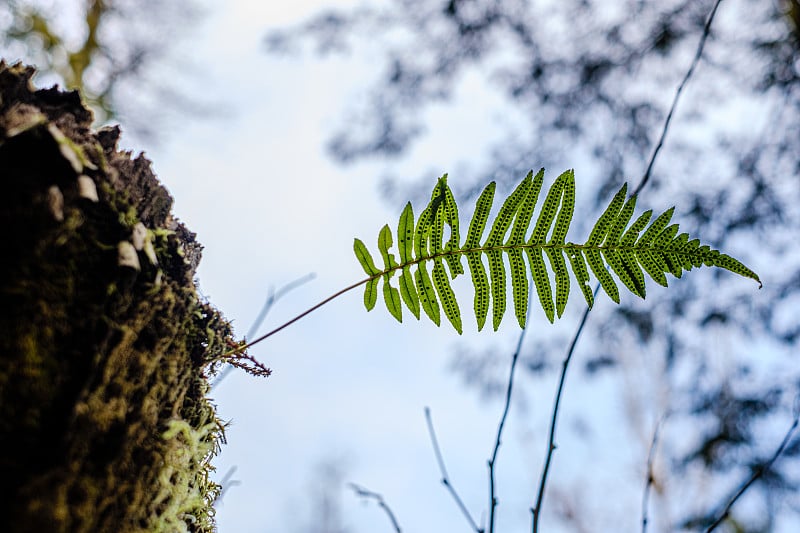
(105, 346)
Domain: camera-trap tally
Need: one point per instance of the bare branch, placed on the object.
(537, 509)
(445, 477)
(226, 483)
(650, 478)
(273, 297)
(758, 472)
(679, 90)
(369, 495)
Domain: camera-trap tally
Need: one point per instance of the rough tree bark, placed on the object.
(104, 420)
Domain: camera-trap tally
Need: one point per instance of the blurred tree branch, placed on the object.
(107, 49)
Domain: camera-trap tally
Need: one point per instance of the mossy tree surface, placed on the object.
(104, 420)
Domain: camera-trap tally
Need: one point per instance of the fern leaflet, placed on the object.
(614, 246)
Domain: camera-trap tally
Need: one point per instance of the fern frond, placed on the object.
(615, 248)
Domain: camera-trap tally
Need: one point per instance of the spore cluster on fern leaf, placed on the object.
(629, 251)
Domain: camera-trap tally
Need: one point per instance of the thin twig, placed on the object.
(445, 477)
(493, 460)
(760, 471)
(650, 476)
(668, 120)
(227, 482)
(369, 495)
(272, 297)
(537, 509)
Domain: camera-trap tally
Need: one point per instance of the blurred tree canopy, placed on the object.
(105, 48)
(592, 81)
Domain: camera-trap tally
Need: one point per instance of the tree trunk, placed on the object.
(104, 420)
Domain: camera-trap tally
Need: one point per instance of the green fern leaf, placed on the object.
(562, 279)
(542, 281)
(452, 245)
(630, 235)
(392, 298)
(446, 295)
(507, 212)
(622, 219)
(422, 233)
(408, 291)
(371, 294)
(497, 274)
(405, 247)
(384, 243)
(481, 285)
(519, 284)
(615, 248)
(405, 234)
(427, 296)
(581, 274)
(655, 228)
(547, 214)
(523, 217)
(564, 217)
(653, 265)
(479, 218)
(364, 257)
(609, 215)
(437, 229)
(595, 261)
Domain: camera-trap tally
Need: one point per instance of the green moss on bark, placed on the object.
(104, 420)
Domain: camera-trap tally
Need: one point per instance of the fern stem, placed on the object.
(250, 344)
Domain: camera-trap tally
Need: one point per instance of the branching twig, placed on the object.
(649, 475)
(760, 471)
(227, 482)
(445, 477)
(493, 460)
(273, 297)
(369, 495)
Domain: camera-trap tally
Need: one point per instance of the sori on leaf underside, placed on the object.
(631, 251)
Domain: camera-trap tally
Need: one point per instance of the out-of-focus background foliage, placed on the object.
(571, 83)
(108, 49)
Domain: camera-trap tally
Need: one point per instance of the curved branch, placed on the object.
(551, 446)
(760, 471)
(445, 477)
